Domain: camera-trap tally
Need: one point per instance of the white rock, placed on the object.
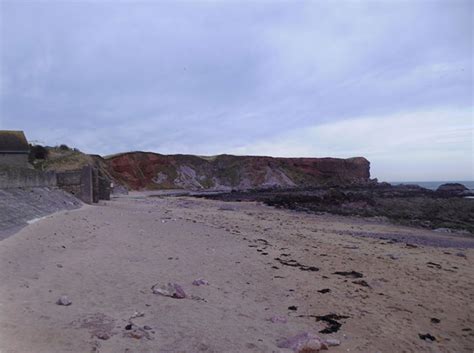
(64, 300)
(331, 342)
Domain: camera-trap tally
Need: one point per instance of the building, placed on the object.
(14, 149)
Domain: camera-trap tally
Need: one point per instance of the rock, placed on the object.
(64, 300)
(200, 282)
(452, 189)
(278, 319)
(427, 337)
(137, 314)
(303, 343)
(172, 290)
(103, 336)
(331, 342)
(293, 308)
(324, 290)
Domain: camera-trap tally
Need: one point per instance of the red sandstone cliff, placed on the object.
(144, 170)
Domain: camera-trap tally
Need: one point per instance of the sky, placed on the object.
(388, 80)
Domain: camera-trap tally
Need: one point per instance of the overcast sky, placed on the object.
(388, 80)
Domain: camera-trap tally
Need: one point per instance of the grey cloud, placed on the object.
(210, 77)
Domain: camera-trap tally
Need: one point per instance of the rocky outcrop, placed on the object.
(143, 170)
(409, 205)
(452, 189)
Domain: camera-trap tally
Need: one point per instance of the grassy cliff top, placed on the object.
(62, 159)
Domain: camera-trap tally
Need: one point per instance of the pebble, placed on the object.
(103, 336)
(200, 282)
(278, 319)
(172, 290)
(137, 314)
(64, 300)
(331, 342)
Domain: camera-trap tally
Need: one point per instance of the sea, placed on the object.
(433, 185)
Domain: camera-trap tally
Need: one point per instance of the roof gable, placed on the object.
(13, 142)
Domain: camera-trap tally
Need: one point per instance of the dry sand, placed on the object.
(106, 258)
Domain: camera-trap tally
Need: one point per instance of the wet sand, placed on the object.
(260, 262)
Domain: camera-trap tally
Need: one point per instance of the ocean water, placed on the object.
(433, 185)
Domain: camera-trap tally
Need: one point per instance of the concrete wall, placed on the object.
(78, 183)
(25, 177)
(70, 182)
(14, 160)
(18, 206)
(86, 184)
(87, 191)
(105, 188)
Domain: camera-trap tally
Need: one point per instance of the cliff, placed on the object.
(144, 170)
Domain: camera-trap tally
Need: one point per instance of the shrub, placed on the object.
(38, 152)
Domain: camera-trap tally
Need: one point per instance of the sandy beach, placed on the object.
(260, 262)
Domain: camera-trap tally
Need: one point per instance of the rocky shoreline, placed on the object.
(445, 210)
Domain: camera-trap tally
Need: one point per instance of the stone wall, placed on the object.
(25, 177)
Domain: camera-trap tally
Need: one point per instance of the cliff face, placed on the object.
(143, 170)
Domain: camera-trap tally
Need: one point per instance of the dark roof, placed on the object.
(13, 142)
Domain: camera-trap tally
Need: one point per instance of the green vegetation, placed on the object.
(61, 159)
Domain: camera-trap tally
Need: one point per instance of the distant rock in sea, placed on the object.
(452, 189)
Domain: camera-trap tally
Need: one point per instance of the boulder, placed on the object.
(452, 189)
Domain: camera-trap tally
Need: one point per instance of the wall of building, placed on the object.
(14, 160)
(25, 177)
